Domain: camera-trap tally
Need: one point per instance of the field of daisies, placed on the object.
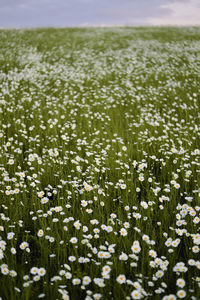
(99, 164)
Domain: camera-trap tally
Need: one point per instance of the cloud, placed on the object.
(38, 13)
(182, 12)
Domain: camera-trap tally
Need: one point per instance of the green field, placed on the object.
(99, 163)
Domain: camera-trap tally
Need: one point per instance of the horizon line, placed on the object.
(99, 26)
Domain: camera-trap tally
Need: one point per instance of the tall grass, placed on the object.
(99, 161)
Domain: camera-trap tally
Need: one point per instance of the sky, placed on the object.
(75, 13)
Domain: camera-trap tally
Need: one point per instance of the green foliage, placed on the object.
(99, 162)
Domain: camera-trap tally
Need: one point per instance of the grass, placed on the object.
(99, 161)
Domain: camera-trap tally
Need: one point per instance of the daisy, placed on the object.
(121, 279)
(136, 294)
(123, 232)
(41, 271)
(34, 270)
(180, 282)
(86, 280)
(73, 240)
(76, 281)
(181, 294)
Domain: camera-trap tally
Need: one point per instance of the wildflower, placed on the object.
(136, 247)
(86, 280)
(145, 238)
(159, 274)
(41, 271)
(74, 240)
(84, 203)
(11, 161)
(34, 270)
(195, 249)
(136, 294)
(121, 279)
(123, 232)
(36, 278)
(144, 204)
(141, 178)
(40, 233)
(13, 250)
(72, 258)
(191, 262)
(123, 186)
(43, 295)
(10, 235)
(23, 245)
(196, 239)
(44, 200)
(180, 282)
(51, 239)
(76, 281)
(181, 294)
(106, 269)
(68, 275)
(99, 282)
(123, 256)
(196, 220)
(4, 271)
(171, 297)
(13, 273)
(109, 228)
(97, 296)
(152, 253)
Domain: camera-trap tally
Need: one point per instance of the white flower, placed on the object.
(121, 279)
(136, 294)
(159, 274)
(34, 270)
(97, 296)
(41, 271)
(123, 256)
(13, 250)
(141, 178)
(180, 282)
(86, 280)
(10, 235)
(195, 249)
(68, 275)
(73, 240)
(99, 282)
(181, 294)
(36, 278)
(123, 186)
(13, 273)
(136, 247)
(72, 258)
(11, 161)
(44, 200)
(106, 269)
(191, 262)
(123, 232)
(104, 254)
(196, 239)
(76, 281)
(152, 253)
(40, 233)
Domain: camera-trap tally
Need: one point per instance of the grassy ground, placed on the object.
(99, 163)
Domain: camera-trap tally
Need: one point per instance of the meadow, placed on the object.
(99, 163)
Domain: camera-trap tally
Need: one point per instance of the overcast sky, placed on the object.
(40, 13)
